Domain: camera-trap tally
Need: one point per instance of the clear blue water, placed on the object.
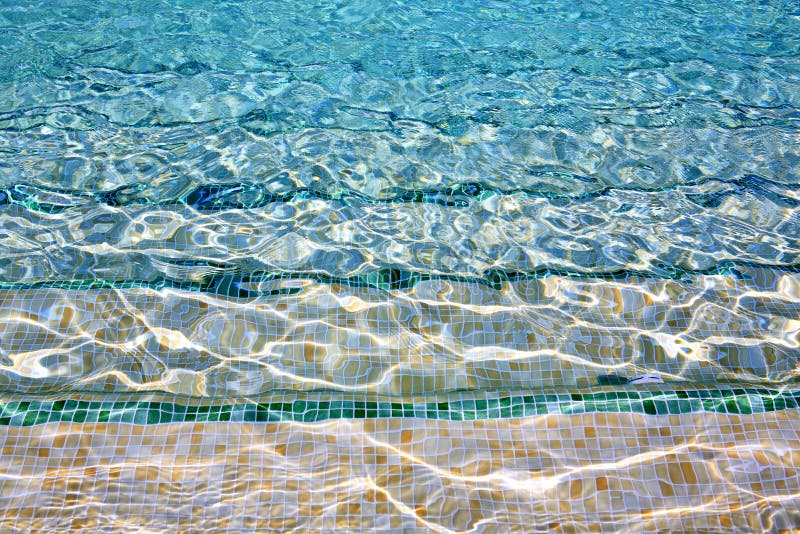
(679, 119)
(403, 200)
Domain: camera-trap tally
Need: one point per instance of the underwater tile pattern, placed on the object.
(355, 266)
(457, 407)
(578, 472)
(398, 333)
(235, 227)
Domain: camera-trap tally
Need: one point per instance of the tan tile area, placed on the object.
(578, 473)
(437, 336)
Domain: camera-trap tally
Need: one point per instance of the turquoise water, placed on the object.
(595, 137)
(475, 222)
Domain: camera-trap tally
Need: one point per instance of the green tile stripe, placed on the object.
(730, 401)
(247, 284)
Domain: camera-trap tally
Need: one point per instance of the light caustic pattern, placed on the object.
(314, 266)
(550, 473)
(433, 336)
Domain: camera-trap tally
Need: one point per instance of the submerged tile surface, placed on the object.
(455, 407)
(366, 266)
(597, 472)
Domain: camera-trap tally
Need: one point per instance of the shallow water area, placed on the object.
(281, 266)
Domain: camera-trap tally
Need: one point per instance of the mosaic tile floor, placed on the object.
(465, 266)
(671, 461)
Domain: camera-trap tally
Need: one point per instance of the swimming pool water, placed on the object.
(282, 266)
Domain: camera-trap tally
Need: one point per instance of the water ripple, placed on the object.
(438, 335)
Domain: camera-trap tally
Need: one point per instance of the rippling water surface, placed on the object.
(393, 266)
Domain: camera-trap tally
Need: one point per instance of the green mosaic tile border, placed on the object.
(727, 401)
(258, 283)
